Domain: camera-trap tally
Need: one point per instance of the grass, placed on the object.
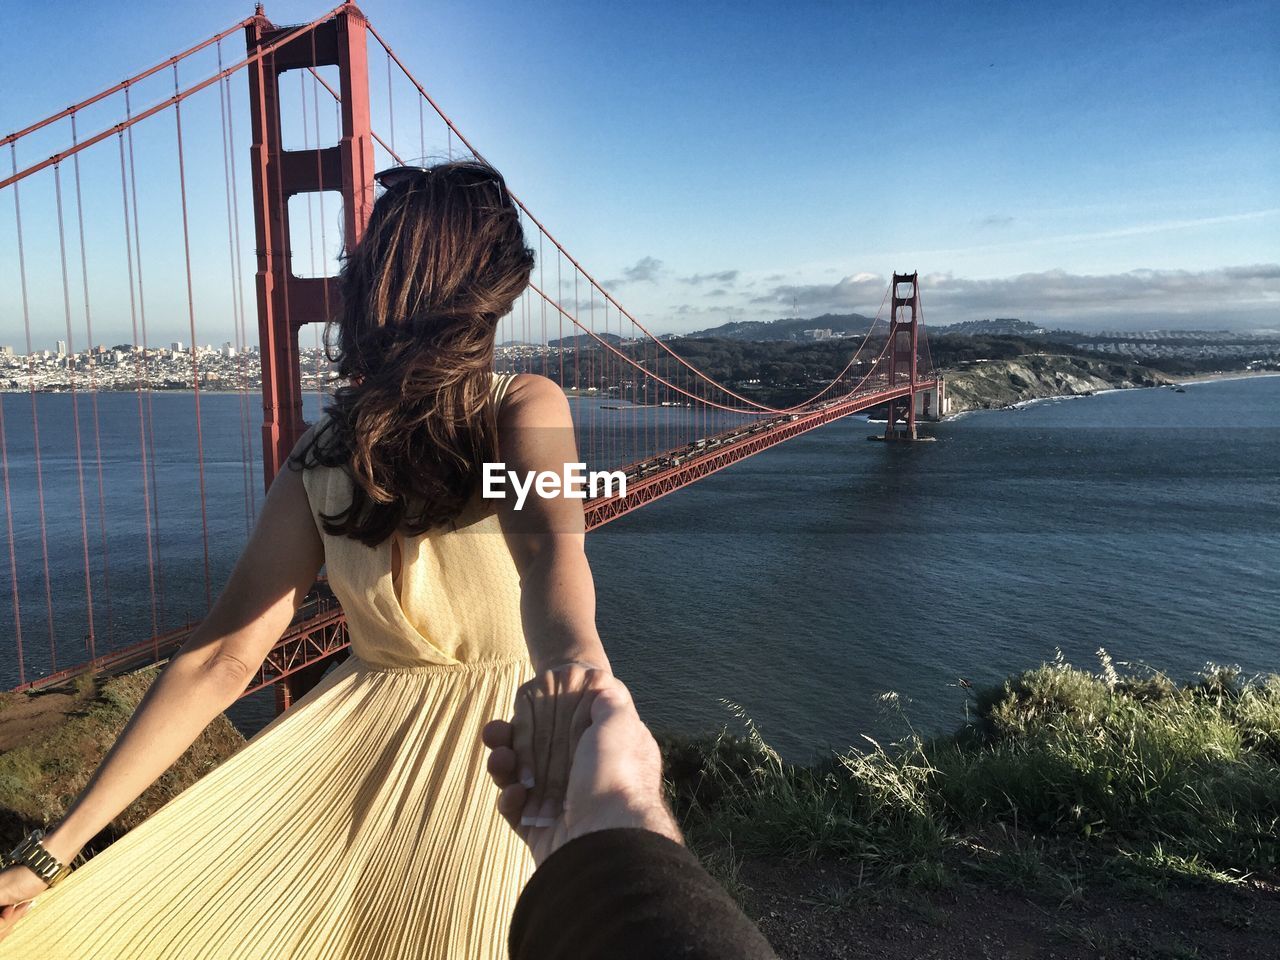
(1060, 774)
(41, 776)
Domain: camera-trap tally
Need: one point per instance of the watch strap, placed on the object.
(31, 853)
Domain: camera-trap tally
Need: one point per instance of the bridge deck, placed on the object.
(678, 468)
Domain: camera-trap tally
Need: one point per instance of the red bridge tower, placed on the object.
(285, 301)
(903, 332)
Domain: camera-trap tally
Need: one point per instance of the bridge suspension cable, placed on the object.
(666, 413)
(151, 111)
(749, 406)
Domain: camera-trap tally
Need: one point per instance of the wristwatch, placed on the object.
(31, 853)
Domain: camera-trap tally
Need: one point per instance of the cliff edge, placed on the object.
(989, 384)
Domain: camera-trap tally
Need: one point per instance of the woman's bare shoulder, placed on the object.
(534, 400)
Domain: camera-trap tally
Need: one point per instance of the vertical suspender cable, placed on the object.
(35, 415)
(195, 361)
(560, 313)
(142, 426)
(324, 240)
(236, 301)
(391, 109)
(311, 223)
(142, 317)
(283, 213)
(541, 273)
(579, 381)
(13, 555)
(250, 446)
(93, 394)
(75, 407)
(591, 383)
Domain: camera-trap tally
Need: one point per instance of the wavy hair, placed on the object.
(442, 259)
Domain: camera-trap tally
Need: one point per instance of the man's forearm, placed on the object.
(629, 894)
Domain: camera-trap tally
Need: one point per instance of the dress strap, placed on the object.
(501, 382)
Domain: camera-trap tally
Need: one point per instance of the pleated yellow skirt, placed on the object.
(359, 825)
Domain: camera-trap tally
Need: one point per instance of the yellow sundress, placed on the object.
(358, 825)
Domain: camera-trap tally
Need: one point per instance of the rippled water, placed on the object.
(802, 583)
(805, 582)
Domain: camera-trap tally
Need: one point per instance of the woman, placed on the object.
(360, 824)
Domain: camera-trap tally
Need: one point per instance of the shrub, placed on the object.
(1125, 763)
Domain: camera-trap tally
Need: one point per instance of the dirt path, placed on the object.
(818, 912)
(33, 712)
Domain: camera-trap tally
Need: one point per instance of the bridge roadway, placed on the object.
(319, 629)
(650, 479)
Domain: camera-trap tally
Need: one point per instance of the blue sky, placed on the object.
(1086, 165)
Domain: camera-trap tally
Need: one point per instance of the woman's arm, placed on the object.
(557, 596)
(274, 573)
(547, 535)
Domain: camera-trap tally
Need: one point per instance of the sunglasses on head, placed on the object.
(394, 177)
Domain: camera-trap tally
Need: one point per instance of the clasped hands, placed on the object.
(575, 758)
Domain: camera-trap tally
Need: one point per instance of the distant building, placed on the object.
(60, 348)
(823, 333)
(176, 346)
(6, 351)
(228, 350)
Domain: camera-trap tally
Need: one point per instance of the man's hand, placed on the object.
(552, 711)
(615, 779)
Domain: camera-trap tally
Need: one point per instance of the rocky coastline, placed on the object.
(997, 384)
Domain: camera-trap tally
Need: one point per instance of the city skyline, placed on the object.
(1091, 168)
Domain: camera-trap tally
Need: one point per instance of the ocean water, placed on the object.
(803, 584)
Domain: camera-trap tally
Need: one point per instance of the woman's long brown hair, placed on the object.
(442, 259)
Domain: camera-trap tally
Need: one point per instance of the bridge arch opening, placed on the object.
(315, 233)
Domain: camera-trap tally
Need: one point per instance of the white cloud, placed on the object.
(644, 270)
(1246, 295)
(722, 277)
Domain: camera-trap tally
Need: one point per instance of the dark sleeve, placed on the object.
(623, 894)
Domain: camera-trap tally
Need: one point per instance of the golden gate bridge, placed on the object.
(666, 423)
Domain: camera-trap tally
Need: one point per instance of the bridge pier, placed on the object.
(296, 685)
(921, 405)
(934, 403)
(904, 310)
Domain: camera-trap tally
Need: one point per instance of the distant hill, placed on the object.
(581, 340)
(789, 328)
(999, 327)
(584, 341)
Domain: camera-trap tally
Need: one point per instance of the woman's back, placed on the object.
(458, 597)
